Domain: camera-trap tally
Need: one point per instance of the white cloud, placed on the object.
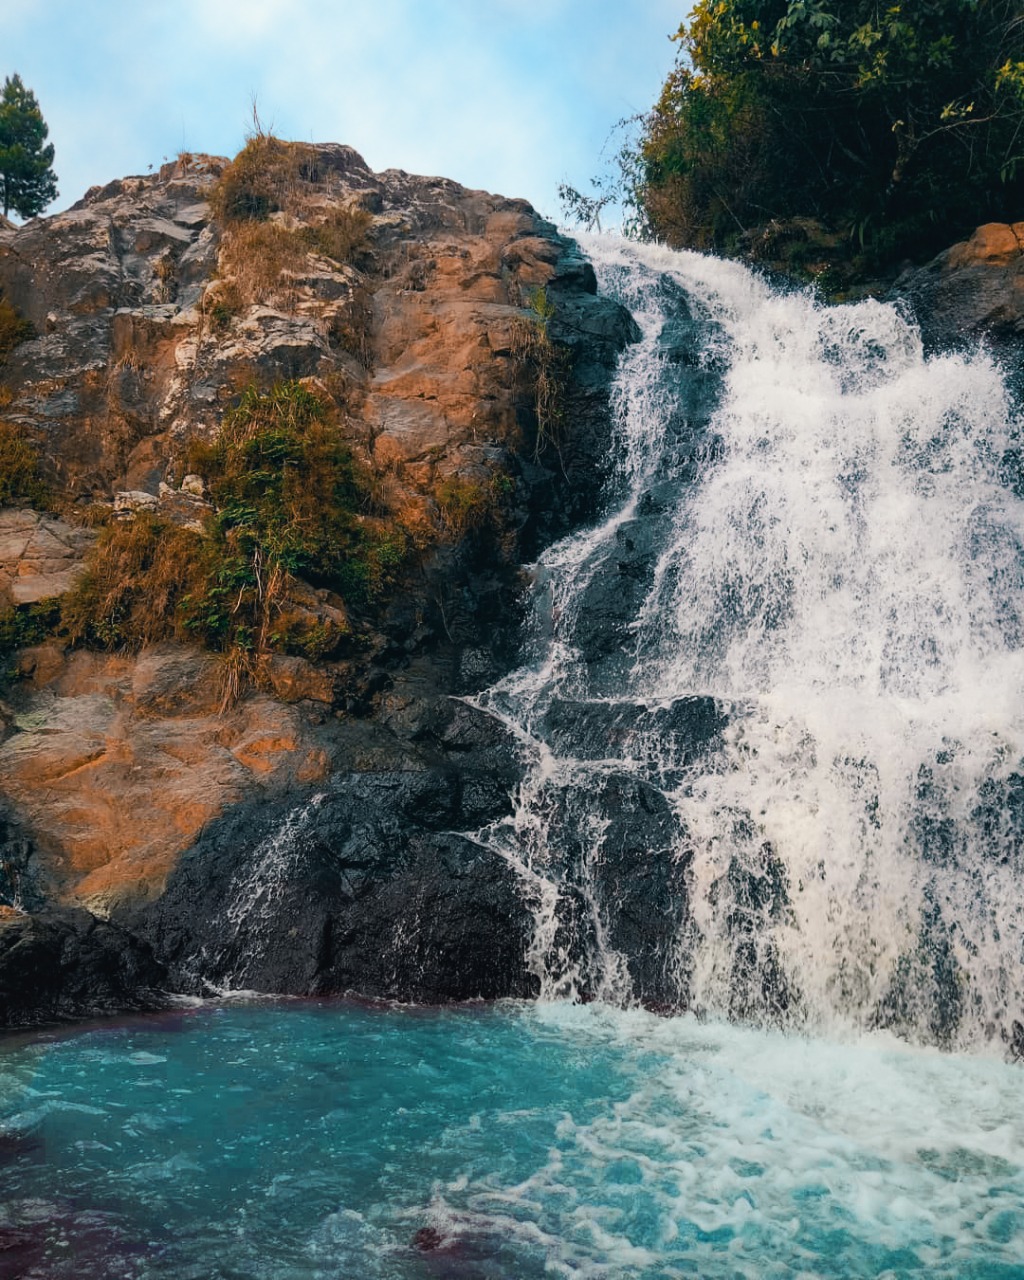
(508, 94)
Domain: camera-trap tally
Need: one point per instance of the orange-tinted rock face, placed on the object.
(137, 348)
(149, 324)
(40, 556)
(118, 763)
(995, 243)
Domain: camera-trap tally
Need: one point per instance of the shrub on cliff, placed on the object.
(898, 126)
(21, 481)
(289, 504)
(258, 181)
(14, 329)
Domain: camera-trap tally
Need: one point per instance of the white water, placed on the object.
(844, 574)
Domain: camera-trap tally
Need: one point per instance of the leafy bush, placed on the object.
(14, 329)
(21, 484)
(466, 504)
(27, 624)
(900, 126)
(288, 499)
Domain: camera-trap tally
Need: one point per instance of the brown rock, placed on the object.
(40, 556)
(118, 765)
(973, 290)
(995, 243)
(295, 679)
(42, 663)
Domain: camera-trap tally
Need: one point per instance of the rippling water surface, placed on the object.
(293, 1140)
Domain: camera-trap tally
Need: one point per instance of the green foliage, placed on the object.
(288, 500)
(21, 484)
(27, 180)
(284, 483)
(585, 210)
(27, 624)
(897, 125)
(14, 329)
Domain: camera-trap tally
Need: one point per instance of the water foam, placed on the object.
(841, 568)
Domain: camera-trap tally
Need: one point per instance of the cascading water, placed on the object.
(774, 720)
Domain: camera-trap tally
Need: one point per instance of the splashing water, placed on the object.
(814, 530)
(308, 1141)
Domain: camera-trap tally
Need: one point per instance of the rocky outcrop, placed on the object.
(58, 965)
(116, 764)
(973, 290)
(40, 556)
(144, 792)
(363, 886)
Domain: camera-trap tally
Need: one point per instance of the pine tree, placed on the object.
(27, 180)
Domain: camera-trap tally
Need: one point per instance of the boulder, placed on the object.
(972, 291)
(363, 887)
(58, 965)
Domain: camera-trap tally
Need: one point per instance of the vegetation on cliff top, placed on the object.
(866, 131)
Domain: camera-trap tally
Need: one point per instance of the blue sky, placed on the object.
(510, 95)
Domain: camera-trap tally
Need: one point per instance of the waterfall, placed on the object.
(773, 716)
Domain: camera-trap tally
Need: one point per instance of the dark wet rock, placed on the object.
(641, 888)
(365, 885)
(973, 291)
(623, 887)
(679, 730)
(365, 888)
(18, 887)
(64, 964)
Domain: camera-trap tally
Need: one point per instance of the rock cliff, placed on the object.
(461, 349)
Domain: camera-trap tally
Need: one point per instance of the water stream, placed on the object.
(798, 639)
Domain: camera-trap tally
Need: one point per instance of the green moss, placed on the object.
(467, 504)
